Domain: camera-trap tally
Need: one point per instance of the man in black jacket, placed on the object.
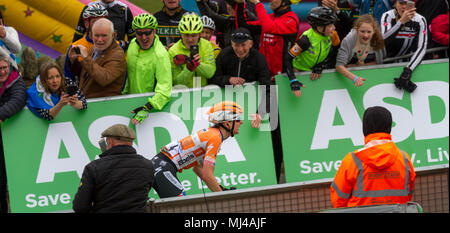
(119, 181)
(241, 63)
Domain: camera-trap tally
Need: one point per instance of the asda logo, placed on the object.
(65, 134)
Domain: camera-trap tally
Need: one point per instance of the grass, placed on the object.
(151, 6)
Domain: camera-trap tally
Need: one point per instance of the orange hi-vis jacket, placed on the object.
(377, 174)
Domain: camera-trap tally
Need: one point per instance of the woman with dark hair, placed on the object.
(52, 91)
(362, 46)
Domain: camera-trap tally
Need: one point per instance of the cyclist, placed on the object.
(119, 13)
(149, 67)
(189, 67)
(197, 151)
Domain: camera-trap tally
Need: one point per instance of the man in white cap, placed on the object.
(119, 181)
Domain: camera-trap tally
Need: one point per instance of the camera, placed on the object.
(72, 90)
(77, 50)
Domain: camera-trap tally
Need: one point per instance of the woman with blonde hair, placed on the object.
(52, 91)
(364, 45)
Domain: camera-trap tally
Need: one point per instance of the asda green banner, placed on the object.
(325, 123)
(45, 160)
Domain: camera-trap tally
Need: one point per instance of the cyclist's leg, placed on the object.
(166, 183)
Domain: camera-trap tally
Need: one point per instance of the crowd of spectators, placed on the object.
(233, 42)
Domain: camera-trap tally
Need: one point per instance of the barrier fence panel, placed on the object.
(325, 123)
(45, 160)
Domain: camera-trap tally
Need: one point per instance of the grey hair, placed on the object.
(4, 57)
(104, 21)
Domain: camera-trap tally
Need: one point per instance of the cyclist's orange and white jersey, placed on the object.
(187, 152)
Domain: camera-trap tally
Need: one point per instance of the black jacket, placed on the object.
(168, 26)
(252, 68)
(119, 181)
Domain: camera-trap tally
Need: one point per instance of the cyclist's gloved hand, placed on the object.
(296, 85)
(317, 69)
(141, 113)
(192, 64)
(404, 81)
(180, 59)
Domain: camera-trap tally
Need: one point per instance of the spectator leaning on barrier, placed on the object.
(241, 63)
(52, 91)
(90, 15)
(119, 181)
(379, 173)
(197, 151)
(364, 45)
(405, 31)
(9, 42)
(208, 30)
(119, 13)
(102, 69)
(168, 19)
(149, 67)
(12, 99)
(192, 57)
(313, 49)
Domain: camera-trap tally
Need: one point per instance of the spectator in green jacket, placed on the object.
(149, 68)
(193, 57)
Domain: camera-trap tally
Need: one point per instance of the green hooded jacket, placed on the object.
(149, 71)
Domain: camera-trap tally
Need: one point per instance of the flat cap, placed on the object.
(120, 131)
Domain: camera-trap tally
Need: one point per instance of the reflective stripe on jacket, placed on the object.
(379, 173)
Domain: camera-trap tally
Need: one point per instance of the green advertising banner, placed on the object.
(45, 160)
(325, 123)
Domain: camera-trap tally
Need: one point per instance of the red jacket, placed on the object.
(276, 29)
(379, 173)
(439, 29)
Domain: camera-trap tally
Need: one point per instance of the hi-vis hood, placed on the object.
(379, 152)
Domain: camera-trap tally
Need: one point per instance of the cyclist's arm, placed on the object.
(206, 173)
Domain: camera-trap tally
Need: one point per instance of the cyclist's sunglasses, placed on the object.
(240, 36)
(147, 33)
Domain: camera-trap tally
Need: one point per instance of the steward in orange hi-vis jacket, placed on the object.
(379, 173)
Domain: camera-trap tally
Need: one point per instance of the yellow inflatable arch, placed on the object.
(50, 22)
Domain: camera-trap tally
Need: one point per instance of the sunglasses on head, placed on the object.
(240, 36)
(147, 33)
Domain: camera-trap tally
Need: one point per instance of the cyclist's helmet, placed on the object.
(321, 16)
(225, 111)
(144, 21)
(190, 23)
(208, 22)
(95, 11)
(288, 2)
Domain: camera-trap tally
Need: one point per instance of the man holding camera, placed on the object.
(101, 69)
(405, 31)
(192, 57)
(90, 15)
